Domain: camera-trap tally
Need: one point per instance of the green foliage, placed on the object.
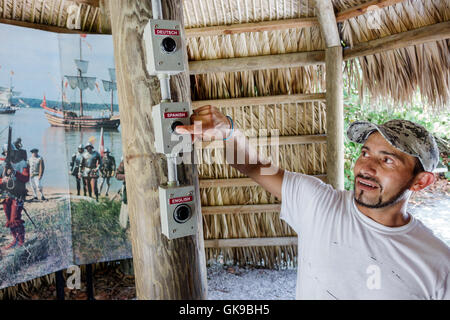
(96, 230)
(355, 110)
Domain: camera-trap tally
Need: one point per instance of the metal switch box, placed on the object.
(178, 216)
(164, 47)
(166, 116)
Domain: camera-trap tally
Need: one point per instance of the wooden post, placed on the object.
(334, 94)
(335, 117)
(164, 269)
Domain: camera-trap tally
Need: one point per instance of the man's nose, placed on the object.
(369, 167)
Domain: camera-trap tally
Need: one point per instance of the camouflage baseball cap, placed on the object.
(404, 135)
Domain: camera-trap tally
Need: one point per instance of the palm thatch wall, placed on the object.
(290, 119)
(398, 74)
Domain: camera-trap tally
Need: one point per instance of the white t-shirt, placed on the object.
(343, 254)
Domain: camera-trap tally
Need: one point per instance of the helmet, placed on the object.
(81, 146)
(89, 145)
(18, 143)
(106, 150)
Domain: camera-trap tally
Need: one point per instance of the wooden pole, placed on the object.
(335, 97)
(263, 100)
(251, 242)
(164, 269)
(364, 8)
(239, 182)
(275, 61)
(266, 141)
(435, 32)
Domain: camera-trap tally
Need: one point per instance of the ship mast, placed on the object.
(79, 81)
(111, 86)
(80, 75)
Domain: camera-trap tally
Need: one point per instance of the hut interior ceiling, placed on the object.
(226, 29)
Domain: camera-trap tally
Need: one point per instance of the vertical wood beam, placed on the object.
(335, 117)
(164, 269)
(334, 94)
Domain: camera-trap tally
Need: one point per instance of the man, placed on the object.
(75, 166)
(13, 191)
(21, 154)
(120, 175)
(89, 169)
(36, 165)
(107, 169)
(360, 244)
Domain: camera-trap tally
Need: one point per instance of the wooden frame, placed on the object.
(251, 242)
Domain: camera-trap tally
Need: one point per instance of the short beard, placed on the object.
(395, 199)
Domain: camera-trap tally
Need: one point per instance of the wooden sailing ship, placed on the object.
(70, 119)
(6, 105)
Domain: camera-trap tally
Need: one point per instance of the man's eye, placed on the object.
(364, 154)
(388, 160)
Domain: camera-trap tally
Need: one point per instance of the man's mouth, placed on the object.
(366, 185)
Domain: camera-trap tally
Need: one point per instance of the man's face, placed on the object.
(89, 149)
(80, 150)
(382, 173)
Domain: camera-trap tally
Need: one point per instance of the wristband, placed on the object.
(232, 128)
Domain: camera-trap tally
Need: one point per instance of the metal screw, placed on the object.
(160, 63)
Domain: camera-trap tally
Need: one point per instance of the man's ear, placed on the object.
(422, 180)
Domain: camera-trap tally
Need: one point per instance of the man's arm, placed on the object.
(41, 168)
(239, 153)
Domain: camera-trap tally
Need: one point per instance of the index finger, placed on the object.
(202, 108)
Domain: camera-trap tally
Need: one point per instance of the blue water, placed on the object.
(56, 145)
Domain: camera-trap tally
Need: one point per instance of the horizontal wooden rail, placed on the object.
(297, 23)
(251, 242)
(239, 182)
(364, 8)
(271, 25)
(260, 141)
(274, 61)
(43, 27)
(435, 32)
(240, 209)
(264, 100)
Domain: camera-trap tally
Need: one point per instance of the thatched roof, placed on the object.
(275, 28)
(396, 74)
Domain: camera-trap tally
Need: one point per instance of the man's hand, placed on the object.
(208, 124)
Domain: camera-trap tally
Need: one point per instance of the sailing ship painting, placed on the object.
(59, 117)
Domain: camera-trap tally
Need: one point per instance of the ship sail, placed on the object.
(82, 83)
(82, 65)
(71, 119)
(111, 86)
(6, 95)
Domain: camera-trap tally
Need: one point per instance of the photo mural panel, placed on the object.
(35, 219)
(59, 96)
(94, 148)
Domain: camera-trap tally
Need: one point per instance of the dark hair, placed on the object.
(418, 168)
